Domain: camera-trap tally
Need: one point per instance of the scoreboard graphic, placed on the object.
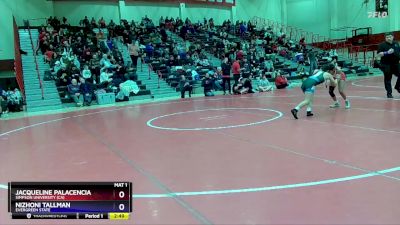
(70, 200)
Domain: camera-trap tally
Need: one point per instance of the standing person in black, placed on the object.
(184, 85)
(390, 56)
(226, 75)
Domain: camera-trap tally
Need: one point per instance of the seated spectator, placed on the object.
(208, 85)
(86, 89)
(110, 44)
(333, 54)
(246, 68)
(65, 61)
(264, 85)
(102, 23)
(184, 85)
(49, 54)
(87, 55)
(63, 78)
(126, 88)
(105, 62)
(171, 62)
(86, 73)
(57, 67)
(238, 88)
(75, 73)
(149, 50)
(247, 84)
(105, 76)
(93, 23)
(217, 77)
(204, 62)
(75, 62)
(302, 43)
(3, 101)
(269, 65)
(74, 91)
(281, 81)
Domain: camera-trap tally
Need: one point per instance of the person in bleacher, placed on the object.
(268, 65)
(226, 75)
(236, 70)
(281, 81)
(208, 85)
(243, 86)
(86, 73)
(134, 53)
(74, 91)
(333, 54)
(185, 86)
(313, 61)
(264, 85)
(86, 89)
(3, 101)
(106, 76)
(217, 76)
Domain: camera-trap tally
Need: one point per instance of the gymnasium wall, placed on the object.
(7, 36)
(197, 13)
(356, 15)
(309, 15)
(30, 9)
(75, 11)
(269, 9)
(330, 17)
(136, 11)
(21, 9)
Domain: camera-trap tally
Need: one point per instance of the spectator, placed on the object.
(208, 85)
(333, 54)
(226, 75)
(217, 77)
(105, 76)
(299, 56)
(281, 81)
(184, 85)
(268, 65)
(236, 70)
(86, 89)
(74, 92)
(3, 102)
(75, 62)
(264, 85)
(238, 88)
(247, 84)
(134, 53)
(105, 62)
(86, 74)
(56, 67)
(312, 59)
(302, 43)
(126, 88)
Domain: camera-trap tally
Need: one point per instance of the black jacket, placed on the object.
(392, 58)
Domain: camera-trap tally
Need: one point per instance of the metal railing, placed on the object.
(35, 58)
(359, 53)
(18, 60)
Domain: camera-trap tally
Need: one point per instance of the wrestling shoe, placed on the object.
(294, 113)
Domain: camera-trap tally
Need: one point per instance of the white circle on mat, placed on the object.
(150, 122)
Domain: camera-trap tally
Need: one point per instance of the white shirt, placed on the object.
(86, 74)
